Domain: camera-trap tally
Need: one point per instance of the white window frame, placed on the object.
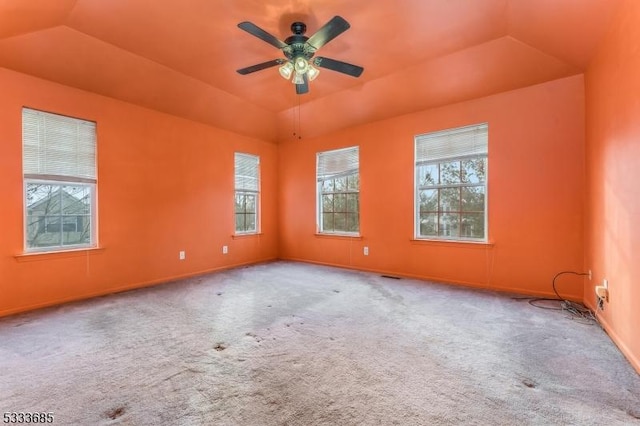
(434, 152)
(336, 164)
(58, 152)
(247, 184)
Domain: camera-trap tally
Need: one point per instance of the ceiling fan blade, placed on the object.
(332, 29)
(301, 89)
(255, 30)
(339, 66)
(258, 67)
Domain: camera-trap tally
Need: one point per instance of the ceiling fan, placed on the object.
(300, 65)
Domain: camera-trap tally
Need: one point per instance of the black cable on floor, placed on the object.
(576, 311)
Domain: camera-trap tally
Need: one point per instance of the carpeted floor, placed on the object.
(295, 344)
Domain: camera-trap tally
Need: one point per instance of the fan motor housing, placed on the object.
(298, 28)
(297, 47)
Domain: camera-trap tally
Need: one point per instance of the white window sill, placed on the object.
(339, 236)
(453, 243)
(57, 254)
(248, 234)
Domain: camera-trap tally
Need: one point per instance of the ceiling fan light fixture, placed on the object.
(297, 78)
(286, 70)
(301, 65)
(312, 72)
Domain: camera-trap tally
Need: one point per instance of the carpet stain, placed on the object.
(634, 413)
(256, 337)
(336, 291)
(220, 347)
(115, 413)
(529, 383)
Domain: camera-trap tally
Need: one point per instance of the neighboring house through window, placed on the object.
(338, 179)
(59, 167)
(247, 197)
(451, 184)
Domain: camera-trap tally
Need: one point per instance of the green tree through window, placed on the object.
(338, 179)
(451, 184)
(247, 193)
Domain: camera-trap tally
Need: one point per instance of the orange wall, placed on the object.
(536, 180)
(613, 170)
(164, 184)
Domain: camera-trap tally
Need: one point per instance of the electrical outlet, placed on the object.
(225, 249)
(182, 255)
(600, 304)
(366, 251)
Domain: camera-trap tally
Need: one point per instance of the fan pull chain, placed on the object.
(296, 105)
(293, 117)
(299, 120)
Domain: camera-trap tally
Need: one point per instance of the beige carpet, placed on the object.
(295, 344)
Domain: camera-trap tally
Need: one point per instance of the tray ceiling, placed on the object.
(180, 57)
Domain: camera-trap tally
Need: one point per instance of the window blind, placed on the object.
(247, 176)
(337, 163)
(452, 143)
(55, 146)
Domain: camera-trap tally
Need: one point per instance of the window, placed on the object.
(339, 191)
(59, 166)
(247, 193)
(451, 184)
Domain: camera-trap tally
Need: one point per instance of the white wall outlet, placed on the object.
(366, 251)
(182, 255)
(225, 249)
(602, 292)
